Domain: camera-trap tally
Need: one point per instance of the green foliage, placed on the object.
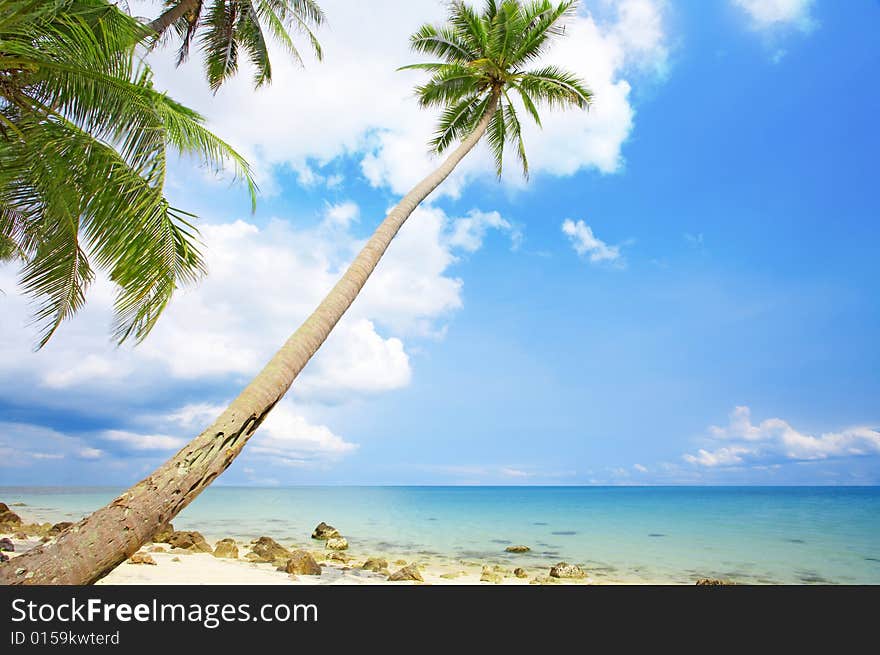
(226, 29)
(482, 58)
(84, 140)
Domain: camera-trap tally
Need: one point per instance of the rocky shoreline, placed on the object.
(325, 557)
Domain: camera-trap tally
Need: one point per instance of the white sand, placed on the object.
(185, 568)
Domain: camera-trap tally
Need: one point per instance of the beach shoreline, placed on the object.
(156, 563)
(461, 535)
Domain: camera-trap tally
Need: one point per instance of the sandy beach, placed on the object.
(183, 567)
(238, 562)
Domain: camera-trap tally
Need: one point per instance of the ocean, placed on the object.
(759, 535)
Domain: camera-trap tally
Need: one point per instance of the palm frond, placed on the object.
(543, 21)
(186, 27)
(223, 28)
(219, 44)
(447, 85)
(457, 120)
(83, 156)
(442, 42)
(555, 87)
(513, 128)
(470, 27)
(528, 103)
(496, 137)
(250, 35)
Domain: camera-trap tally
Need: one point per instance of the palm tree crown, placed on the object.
(84, 140)
(227, 29)
(483, 59)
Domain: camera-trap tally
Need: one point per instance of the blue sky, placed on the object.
(685, 291)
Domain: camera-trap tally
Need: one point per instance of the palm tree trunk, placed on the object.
(167, 19)
(92, 548)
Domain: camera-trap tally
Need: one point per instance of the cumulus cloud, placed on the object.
(288, 438)
(361, 361)
(310, 116)
(194, 414)
(768, 14)
(136, 441)
(342, 214)
(720, 457)
(743, 442)
(609, 54)
(23, 444)
(263, 281)
(468, 232)
(586, 244)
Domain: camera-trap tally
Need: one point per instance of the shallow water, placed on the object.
(651, 534)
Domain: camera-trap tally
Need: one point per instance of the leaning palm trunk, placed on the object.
(92, 548)
(171, 16)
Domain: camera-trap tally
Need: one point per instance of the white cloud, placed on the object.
(640, 468)
(136, 441)
(288, 438)
(195, 414)
(607, 54)
(720, 457)
(742, 442)
(309, 116)
(514, 473)
(409, 291)
(766, 14)
(468, 232)
(87, 368)
(21, 444)
(586, 243)
(360, 361)
(342, 214)
(262, 283)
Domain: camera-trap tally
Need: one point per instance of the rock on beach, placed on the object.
(409, 572)
(325, 531)
(301, 562)
(189, 540)
(269, 550)
(226, 548)
(566, 570)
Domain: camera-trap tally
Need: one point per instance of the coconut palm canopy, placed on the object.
(484, 64)
(84, 145)
(227, 29)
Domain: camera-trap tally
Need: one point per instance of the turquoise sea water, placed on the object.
(650, 534)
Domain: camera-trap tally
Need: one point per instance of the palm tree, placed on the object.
(84, 141)
(226, 27)
(482, 59)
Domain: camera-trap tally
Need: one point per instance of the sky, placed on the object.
(684, 291)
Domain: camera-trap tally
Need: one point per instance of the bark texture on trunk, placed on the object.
(167, 19)
(90, 549)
